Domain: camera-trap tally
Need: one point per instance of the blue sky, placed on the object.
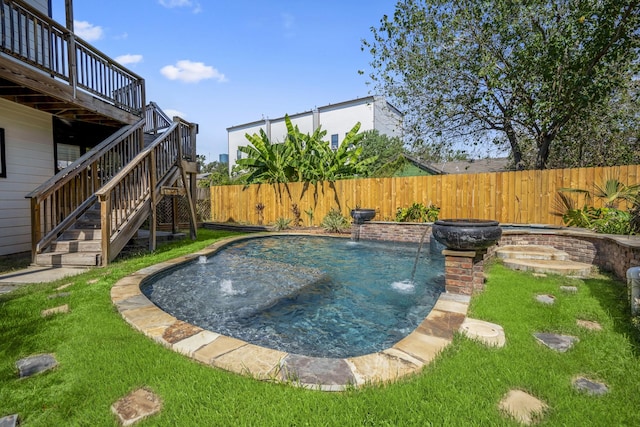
(224, 63)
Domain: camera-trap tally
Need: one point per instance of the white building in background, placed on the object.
(373, 113)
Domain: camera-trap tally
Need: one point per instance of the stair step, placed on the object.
(540, 252)
(58, 259)
(88, 223)
(82, 234)
(76, 246)
(563, 267)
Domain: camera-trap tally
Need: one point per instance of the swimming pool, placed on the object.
(309, 295)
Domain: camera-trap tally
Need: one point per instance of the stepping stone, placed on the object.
(485, 332)
(531, 252)
(560, 343)
(546, 299)
(55, 310)
(35, 364)
(588, 324)
(135, 406)
(566, 268)
(590, 387)
(59, 295)
(92, 281)
(9, 421)
(539, 275)
(523, 407)
(65, 286)
(569, 289)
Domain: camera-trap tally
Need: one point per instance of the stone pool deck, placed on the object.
(406, 357)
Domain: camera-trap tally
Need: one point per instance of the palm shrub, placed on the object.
(334, 222)
(607, 219)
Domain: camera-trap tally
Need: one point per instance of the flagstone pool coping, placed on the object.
(406, 357)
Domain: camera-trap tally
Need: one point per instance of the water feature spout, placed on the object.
(415, 263)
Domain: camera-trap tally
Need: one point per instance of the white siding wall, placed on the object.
(387, 120)
(340, 120)
(41, 5)
(29, 157)
(237, 139)
(279, 127)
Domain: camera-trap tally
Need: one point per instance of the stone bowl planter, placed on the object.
(467, 234)
(361, 215)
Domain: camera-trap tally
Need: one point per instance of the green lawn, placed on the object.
(102, 358)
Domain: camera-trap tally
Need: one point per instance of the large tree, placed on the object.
(503, 71)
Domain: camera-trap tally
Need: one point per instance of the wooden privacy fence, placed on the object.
(523, 197)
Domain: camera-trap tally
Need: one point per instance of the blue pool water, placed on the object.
(317, 296)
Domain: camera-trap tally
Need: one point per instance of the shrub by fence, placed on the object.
(524, 197)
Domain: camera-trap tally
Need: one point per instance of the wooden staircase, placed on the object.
(80, 245)
(86, 214)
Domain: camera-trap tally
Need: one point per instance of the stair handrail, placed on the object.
(157, 119)
(64, 196)
(131, 195)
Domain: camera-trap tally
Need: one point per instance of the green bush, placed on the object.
(335, 222)
(282, 224)
(613, 221)
(418, 212)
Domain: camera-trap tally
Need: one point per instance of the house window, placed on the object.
(334, 141)
(3, 159)
(66, 154)
(239, 155)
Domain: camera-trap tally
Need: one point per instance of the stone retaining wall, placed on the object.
(615, 254)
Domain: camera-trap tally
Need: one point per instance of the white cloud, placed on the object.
(88, 31)
(129, 59)
(192, 72)
(172, 113)
(170, 4)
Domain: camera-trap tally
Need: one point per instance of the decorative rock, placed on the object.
(560, 343)
(546, 299)
(59, 295)
(55, 310)
(485, 332)
(65, 286)
(523, 407)
(588, 324)
(590, 386)
(135, 406)
(569, 289)
(316, 370)
(35, 364)
(9, 421)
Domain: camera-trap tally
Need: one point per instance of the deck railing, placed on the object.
(131, 196)
(37, 40)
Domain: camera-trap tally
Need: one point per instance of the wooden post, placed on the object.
(183, 173)
(35, 227)
(153, 220)
(73, 71)
(105, 224)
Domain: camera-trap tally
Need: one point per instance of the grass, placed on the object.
(102, 359)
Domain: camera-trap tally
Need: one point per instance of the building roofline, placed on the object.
(369, 98)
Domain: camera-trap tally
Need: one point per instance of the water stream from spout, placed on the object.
(415, 263)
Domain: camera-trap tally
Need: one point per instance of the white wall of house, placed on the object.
(373, 112)
(28, 154)
(40, 5)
